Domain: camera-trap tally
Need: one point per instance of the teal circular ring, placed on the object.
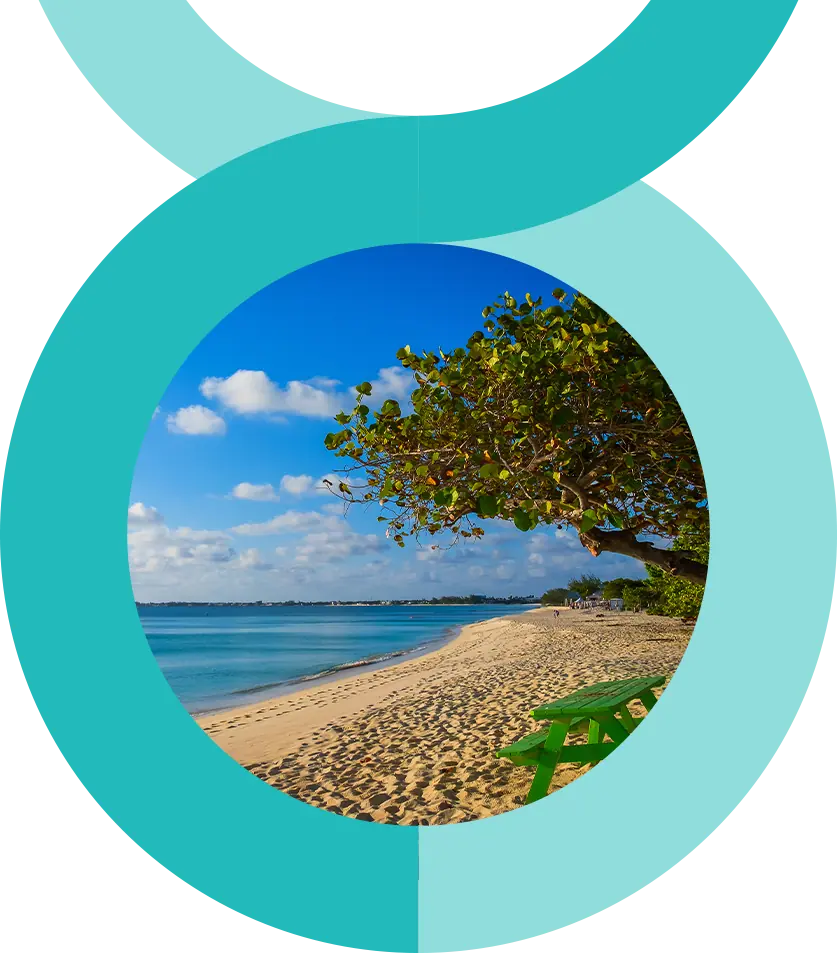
(565, 147)
(383, 887)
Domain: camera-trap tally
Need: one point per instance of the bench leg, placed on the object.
(649, 699)
(594, 736)
(614, 729)
(627, 720)
(548, 760)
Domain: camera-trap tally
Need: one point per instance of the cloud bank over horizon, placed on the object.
(315, 555)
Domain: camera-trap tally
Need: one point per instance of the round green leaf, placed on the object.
(488, 505)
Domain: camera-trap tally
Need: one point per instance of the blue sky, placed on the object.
(225, 504)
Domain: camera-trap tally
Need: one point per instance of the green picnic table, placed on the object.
(601, 710)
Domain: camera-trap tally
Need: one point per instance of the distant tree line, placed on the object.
(660, 593)
(478, 600)
(473, 599)
(557, 597)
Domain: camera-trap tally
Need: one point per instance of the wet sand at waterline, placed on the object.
(414, 743)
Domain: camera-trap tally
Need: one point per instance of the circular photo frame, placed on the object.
(264, 853)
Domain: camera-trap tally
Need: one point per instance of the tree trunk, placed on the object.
(677, 562)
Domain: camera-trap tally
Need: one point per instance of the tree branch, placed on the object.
(577, 490)
(676, 562)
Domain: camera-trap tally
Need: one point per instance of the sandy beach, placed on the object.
(414, 743)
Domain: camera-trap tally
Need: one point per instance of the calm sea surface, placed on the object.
(222, 656)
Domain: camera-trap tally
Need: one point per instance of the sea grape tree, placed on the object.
(556, 597)
(549, 415)
(673, 595)
(585, 585)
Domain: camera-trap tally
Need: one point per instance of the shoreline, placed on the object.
(306, 684)
(413, 742)
(362, 682)
(370, 663)
(266, 692)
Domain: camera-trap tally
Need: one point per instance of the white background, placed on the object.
(381, 55)
(76, 179)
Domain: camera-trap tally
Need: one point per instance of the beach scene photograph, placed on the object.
(419, 535)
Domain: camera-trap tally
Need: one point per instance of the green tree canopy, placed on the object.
(638, 594)
(550, 415)
(615, 587)
(585, 585)
(555, 597)
(679, 597)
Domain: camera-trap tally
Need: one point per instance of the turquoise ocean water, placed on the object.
(222, 656)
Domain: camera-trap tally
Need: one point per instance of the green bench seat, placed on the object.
(600, 710)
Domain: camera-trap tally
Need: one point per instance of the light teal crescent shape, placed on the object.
(593, 132)
(383, 887)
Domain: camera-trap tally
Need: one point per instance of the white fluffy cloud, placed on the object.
(303, 483)
(196, 421)
(297, 484)
(259, 492)
(327, 538)
(539, 543)
(317, 548)
(156, 550)
(251, 559)
(395, 382)
(535, 565)
(292, 521)
(496, 558)
(141, 515)
(253, 392)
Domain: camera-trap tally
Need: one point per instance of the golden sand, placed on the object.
(414, 743)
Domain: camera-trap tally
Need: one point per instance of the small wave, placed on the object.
(380, 659)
